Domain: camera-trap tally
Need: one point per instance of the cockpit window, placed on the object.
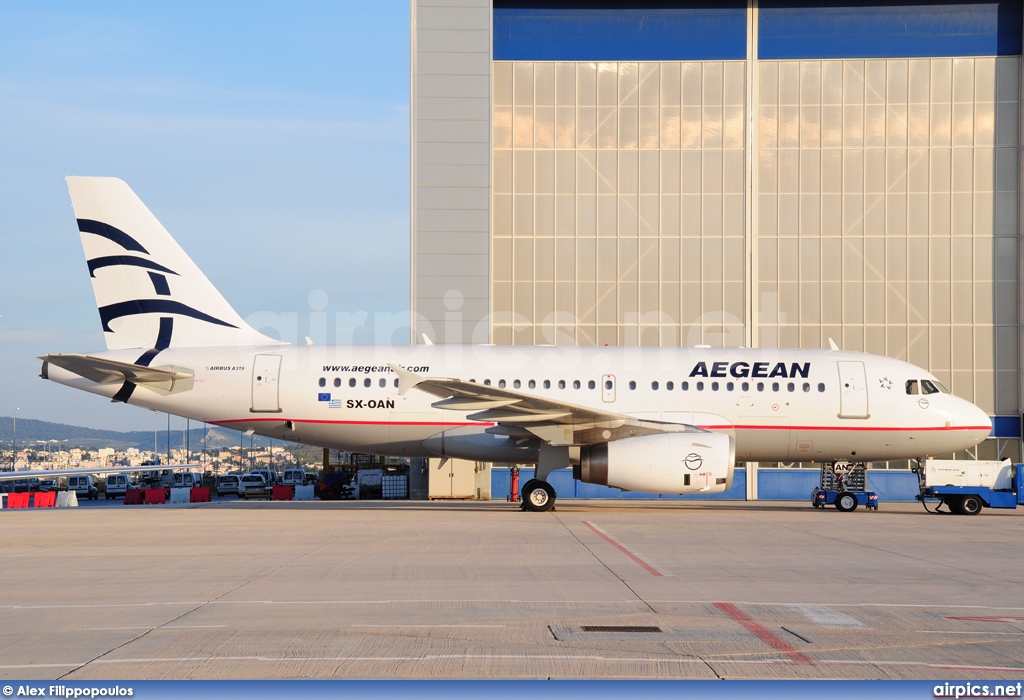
(911, 386)
(928, 388)
(942, 387)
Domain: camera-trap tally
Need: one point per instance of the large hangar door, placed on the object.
(853, 390)
(265, 387)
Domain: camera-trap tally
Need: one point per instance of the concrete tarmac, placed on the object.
(483, 590)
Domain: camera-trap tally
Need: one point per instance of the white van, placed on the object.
(293, 477)
(187, 480)
(84, 486)
(118, 484)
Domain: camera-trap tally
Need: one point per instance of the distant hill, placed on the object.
(30, 432)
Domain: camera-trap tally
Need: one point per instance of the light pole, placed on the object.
(14, 442)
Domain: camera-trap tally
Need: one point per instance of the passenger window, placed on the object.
(337, 381)
(821, 387)
(516, 384)
(911, 386)
(487, 382)
(654, 385)
(547, 383)
(669, 386)
(366, 382)
(714, 386)
(685, 386)
(745, 386)
(591, 384)
(729, 386)
(632, 385)
(608, 385)
(352, 381)
(396, 382)
(791, 387)
(775, 386)
(760, 386)
(700, 386)
(576, 384)
(501, 383)
(807, 387)
(928, 388)
(532, 384)
(383, 382)
(323, 382)
(561, 383)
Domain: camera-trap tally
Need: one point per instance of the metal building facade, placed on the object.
(772, 174)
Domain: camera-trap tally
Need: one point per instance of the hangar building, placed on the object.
(759, 173)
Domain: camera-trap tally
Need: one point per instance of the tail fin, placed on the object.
(149, 292)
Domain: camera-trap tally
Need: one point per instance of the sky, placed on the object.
(270, 139)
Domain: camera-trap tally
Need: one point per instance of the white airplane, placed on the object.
(658, 420)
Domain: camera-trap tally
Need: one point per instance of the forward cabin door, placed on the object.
(853, 390)
(265, 388)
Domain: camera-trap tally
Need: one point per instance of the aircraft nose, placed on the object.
(977, 423)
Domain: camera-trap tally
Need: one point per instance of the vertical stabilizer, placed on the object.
(149, 292)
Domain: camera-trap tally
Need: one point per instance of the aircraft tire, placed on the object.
(846, 502)
(538, 496)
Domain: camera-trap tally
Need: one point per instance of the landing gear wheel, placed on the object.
(969, 505)
(538, 496)
(846, 502)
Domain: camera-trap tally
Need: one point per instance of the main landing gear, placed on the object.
(538, 496)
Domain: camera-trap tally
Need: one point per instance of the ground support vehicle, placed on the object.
(843, 485)
(965, 487)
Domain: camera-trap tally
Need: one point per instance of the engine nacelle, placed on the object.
(661, 463)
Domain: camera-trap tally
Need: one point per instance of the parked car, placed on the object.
(118, 484)
(84, 486)
(227, 484)
(269, 475)
(253, 486)
(47, 485)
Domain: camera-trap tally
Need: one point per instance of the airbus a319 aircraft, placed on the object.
(657, 420)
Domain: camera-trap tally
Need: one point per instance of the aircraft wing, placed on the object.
(51, 473)
(518, 413)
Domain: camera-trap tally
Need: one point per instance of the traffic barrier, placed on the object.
(133, 497)
(180, 495)
(44, 499)
(282, 493)
(17, 500)
(154, 496)
(304, 493)
(67, 499)
(200, 494)
(3, 500)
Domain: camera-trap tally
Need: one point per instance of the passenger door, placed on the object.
(853, 390)
(265, 388)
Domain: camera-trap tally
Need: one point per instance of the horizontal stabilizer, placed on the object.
(104, 371)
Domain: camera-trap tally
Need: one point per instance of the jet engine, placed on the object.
(662, 463)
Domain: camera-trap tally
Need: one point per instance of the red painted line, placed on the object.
(608, 538)
(344, 422)
(763, 633)
(877, 429)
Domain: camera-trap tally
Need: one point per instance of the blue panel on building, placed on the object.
(795, 29)
(1006, 426)
(619, 31)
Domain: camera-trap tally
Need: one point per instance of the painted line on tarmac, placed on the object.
(150, 627)
(525, 657)
(827, 617)
(405, 627)
(764, 634)
(622, 548)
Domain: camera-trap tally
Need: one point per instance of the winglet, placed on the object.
(832, 344)
(406, 379)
